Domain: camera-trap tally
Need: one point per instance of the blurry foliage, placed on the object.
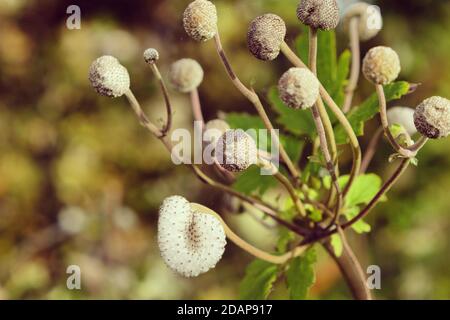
(81, 181)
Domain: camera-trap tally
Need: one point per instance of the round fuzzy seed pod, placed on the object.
(185, 75)
(403, 116)
(191, 243)
(432, 118)
(200, 20)
(299, 88)
(319, 14)
(236, 151)
(214, 129)
(108, 77)
(381, 65)
(265, 36)
(151, 55)
(370, 20)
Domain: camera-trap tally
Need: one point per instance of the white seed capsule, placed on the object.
(108, 77)
(191, 243)
(319, 14)
(432, 117)
(265, 36)
(151, 55)
(200, 20)
(403, 116)
(369, 17)
(185, 75)
(236, 151)
(299, 88)
(381, 65)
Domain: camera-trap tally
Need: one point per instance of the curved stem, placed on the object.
(287, 184)
(350, 268)
(320, 127)
(254, 99)
(356, 64)
(356, 150)
(258, 253)
(370, 151)
(263, 163)
(143, 120)
(198, 117)
(157, 74)
(197, 108)
(419, 144)
(257, 203)
(384, 122)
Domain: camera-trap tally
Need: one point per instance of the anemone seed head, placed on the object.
(190, 242)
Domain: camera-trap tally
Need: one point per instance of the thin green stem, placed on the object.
(384, 122)
(320, 127)
(165, 92)
(371, 149)
(356, 150)
(251, 95)
(244, 245)
(356, 64)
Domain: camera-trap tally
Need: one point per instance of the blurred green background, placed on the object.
(81, 181)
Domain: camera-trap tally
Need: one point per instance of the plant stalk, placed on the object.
(356, 64)
(254, 99)
(356, 150)
(320, 127)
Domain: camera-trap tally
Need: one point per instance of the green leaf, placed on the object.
(342, 72)
(359, 226)
(369, 108)
(247, 122)
(300, 275)
(396, 130)
(285, 237)
(313, 213)
(363, 189)
(336, 243)
(302, 43)
(298, 122)
(326, 58)
(244, 121)
(258, 281)
(326, 55)
(251, 181)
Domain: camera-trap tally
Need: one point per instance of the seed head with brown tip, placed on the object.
(151, 55)
(432, 117)
(319, 14)
(265, 36)
(108, 77)
(200, 20)
(299, 88)
(236, 150)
